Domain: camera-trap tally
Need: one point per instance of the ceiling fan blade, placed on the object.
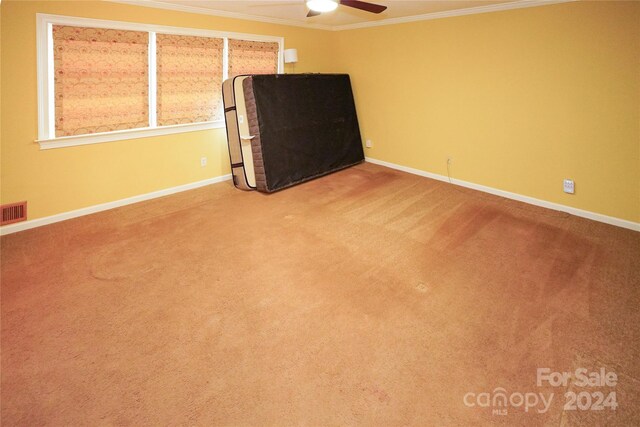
(312, 13)
(363, 5)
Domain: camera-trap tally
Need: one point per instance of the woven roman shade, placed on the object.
(252, 57)
(100, 80)
(189, 79)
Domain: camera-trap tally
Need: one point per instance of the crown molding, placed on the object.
(518, 4)
(221, 13)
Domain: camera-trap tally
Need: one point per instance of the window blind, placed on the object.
(100, 80)
(189, 78)
(252, 57)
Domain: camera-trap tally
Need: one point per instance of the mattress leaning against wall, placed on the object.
(300, 127)
(237, 135)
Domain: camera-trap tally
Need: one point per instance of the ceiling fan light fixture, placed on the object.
(322, 5)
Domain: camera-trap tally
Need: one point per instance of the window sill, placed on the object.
(97, 138)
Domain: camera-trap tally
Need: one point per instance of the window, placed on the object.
(101, 80)
(189, 79)
(251, 57)
(104, 81)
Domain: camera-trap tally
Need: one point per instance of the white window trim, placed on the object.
(46, 106)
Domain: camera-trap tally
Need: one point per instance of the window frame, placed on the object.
(45, 72)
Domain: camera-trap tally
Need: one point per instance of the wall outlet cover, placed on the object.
(569, 186)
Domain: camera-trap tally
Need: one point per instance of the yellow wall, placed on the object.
(60, 180)
(520, 99)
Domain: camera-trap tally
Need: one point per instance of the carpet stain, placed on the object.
(422, 288)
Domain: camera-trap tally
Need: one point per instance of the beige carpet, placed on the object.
(367, 297)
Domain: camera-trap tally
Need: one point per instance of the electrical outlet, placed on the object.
(368, 143)
(240, 119)
(569, 186)
(203, 161)
(449, 160)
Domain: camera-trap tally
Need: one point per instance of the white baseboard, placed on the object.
(514, 196)
(20, 226)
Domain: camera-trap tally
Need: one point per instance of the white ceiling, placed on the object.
(294, 11)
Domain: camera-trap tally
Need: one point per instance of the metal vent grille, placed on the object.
(13, 212)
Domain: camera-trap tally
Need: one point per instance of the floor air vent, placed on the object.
(13, 212)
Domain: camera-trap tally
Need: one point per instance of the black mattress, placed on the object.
(302, 126)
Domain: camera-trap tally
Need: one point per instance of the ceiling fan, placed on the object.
(316, 7)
